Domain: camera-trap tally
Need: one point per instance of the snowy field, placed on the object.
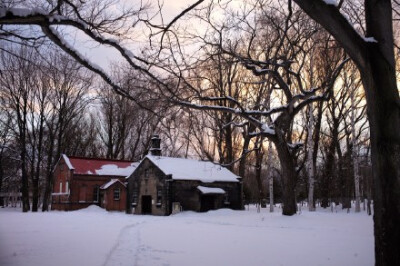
(95, 237)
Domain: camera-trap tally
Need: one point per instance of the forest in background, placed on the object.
(260, 88)
(53, 105)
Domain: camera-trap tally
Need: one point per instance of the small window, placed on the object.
(67, 187)
(62, 167)
(226, 198)
(146, 174)
(117, 193)
(134, 198)
(159, 197)
(61, 187)
(96, 194)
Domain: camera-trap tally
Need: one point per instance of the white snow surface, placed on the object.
(94, 237)
(113, 169)
(67, 162)
(331, 2)
(188, 169)
(210, 190)
(267, 129)
(370, 39)
(110, 183)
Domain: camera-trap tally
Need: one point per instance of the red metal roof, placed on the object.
(96, 166)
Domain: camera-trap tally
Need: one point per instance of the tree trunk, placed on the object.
(288, 175)
(25, 182)
(259, 157)
(354, 150)
(228, 142)
(271, 178)
(49, 173)
(1, 177)
(243, 158)
(329, 171)
(376, 63)
(310, 161)
(384, 115)
(22, 118)
(383, 102)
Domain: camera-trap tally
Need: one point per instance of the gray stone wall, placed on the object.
(148, 180)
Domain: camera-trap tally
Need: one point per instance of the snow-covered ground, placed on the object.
(95, 237)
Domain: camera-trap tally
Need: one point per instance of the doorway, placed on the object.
(146, 204)
(207, 203)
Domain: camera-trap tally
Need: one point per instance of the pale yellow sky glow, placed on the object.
(103, 55)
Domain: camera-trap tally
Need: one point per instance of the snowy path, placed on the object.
(129, 250)
(123, 253)
(93, 237)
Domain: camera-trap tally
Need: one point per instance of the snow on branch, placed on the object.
(370, 39)
(295, 146)
(331, 2)
(48, 22)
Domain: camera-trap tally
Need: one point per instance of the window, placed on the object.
(146, 174)
(96, 194)
(61, 186)
(62, 167)
(82, 194)
(226, 198)
(67, 187)
(117, 193)
(134, 198)
(159, 197)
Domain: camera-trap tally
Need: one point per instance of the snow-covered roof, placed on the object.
(110, 183)
(67, 162)
(210, 190)
(189, 169)
(95, 166)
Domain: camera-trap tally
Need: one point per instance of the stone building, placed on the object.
(80, 182)
(163, 185)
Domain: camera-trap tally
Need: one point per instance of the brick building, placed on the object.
(80, 182)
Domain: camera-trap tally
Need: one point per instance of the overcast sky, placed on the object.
(103, 55)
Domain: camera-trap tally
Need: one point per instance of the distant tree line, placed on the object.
(279, 93)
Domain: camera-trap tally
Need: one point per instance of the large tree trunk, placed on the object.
(383, 102)
(288, 175)
(1, 178)
(384, 115)
(375, 61)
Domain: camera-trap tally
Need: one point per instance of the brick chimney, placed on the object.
(155, 149)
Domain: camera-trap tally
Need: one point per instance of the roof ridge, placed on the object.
(99, 159)
(182, 158)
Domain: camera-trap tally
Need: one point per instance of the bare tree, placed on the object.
(16, 85)
(69, 85)
(373, 56)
